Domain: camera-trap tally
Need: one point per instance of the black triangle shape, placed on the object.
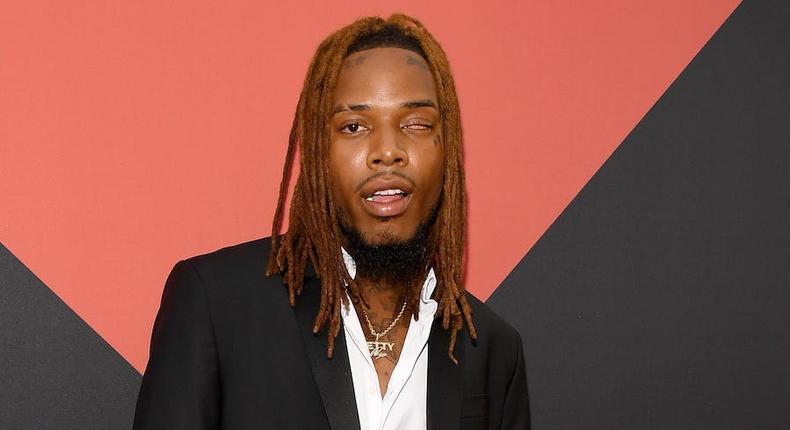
(659, 298)
(55, 371)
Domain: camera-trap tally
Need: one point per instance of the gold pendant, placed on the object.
(379, 349)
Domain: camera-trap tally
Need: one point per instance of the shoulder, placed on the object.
(237, 264)
(247, 256)
(233, 271)
(488, 322)
(235, 289)
(494, 335)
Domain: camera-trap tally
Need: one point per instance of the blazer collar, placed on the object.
(332, 376)
(334, 380)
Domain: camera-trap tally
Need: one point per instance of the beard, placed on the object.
(394, 261)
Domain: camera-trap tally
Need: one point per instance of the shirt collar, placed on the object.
(427, 287)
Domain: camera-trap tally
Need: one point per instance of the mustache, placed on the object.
(373, 177)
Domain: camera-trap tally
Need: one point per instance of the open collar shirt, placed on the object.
(404, 405)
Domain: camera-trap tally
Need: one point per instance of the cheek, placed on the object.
(438, 181)
(431, 165)
(345, 166)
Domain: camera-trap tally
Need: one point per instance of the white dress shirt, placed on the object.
(404, 405)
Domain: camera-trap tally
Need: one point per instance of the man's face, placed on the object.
(386, 153)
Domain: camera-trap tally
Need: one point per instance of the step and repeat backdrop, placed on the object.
(627, 179)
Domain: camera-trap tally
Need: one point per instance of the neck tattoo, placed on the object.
(378, 348)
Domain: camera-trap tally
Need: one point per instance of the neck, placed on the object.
(385, 293)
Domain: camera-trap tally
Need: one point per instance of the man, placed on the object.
(372, 259)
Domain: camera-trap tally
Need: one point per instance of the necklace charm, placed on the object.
(379, 349)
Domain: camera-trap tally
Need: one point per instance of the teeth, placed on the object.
(391, 192)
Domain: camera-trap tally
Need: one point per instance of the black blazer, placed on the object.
(228, 352)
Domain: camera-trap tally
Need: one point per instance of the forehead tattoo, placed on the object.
(357, 61)
(410, 59)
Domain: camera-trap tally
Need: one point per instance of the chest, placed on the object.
(386, 352)
(391, 390)
(385, 336)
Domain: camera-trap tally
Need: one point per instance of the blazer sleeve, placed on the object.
(180, 386)
(516, 410)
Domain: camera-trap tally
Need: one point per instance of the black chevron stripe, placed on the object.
(55, 371)
(659, 298)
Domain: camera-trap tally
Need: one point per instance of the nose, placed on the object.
(386, 149)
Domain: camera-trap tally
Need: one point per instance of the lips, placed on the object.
(386, 197)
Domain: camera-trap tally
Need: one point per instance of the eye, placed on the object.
(418, 125)
(352, 128)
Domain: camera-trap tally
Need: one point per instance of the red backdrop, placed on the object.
(134, 134)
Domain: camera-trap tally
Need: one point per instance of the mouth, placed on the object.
(388, 202)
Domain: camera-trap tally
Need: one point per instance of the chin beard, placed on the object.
(397, 262)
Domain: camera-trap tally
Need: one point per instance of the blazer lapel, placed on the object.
(333, 376)
(445, 379)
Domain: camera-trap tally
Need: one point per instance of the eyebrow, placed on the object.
(418, 104)
(414, 104)
(354, 108)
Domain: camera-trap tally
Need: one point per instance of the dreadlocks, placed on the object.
(314, 233)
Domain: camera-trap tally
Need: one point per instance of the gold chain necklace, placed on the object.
(376, 347)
